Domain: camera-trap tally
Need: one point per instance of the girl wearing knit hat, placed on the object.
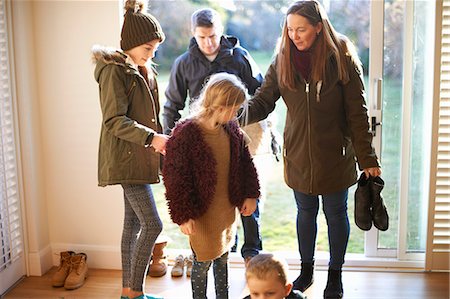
(130, 140)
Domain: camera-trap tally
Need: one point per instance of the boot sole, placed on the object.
(157, 274)
(73, 287)
(304, 288)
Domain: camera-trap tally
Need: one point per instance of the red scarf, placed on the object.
(302, 62)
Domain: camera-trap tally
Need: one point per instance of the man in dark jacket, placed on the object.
(211, 52)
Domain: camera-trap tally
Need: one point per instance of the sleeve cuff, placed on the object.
(148, 142)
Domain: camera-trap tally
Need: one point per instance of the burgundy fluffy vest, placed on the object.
(189, 171)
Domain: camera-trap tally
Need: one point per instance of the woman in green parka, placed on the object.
(318, 75)
(130, 138)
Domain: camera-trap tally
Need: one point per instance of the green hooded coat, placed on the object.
(130, 110)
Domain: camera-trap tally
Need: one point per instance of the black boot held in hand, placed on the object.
(334, 285)
(363, 202)
(379, 211)
(306, 278)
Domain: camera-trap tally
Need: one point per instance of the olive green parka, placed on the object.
(130, 110)
(326, 129)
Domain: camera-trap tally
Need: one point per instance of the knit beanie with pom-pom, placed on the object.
(139, 27)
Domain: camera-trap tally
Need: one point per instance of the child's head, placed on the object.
(266, 277)
(141, 33)
(221, 98)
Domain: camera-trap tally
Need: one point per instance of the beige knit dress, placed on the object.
(215, 230)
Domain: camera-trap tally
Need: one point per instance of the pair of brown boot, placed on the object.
(72, 270)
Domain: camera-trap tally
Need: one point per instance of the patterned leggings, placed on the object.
(199, 277)
(141, 227)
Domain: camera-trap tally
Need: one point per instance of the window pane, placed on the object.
(392, 117)
(421, 113)
(351, 18)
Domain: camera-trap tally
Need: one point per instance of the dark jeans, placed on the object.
(199, 277)
(252, 237)
(335, 209)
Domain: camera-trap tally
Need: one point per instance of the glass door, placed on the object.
(399, 96)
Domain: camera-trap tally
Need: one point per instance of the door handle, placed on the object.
(373, 125)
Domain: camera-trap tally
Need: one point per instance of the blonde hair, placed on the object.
(328, 41)
(221, 90)
(263, 266)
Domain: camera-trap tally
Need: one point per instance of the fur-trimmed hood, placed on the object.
(103, 56)
(107, 55)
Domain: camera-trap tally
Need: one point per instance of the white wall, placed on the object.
(59, 120)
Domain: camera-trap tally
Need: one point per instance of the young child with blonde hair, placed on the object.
(267, 278)
(208, 173)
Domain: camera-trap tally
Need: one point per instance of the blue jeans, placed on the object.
(335, 210)
(252, 237)
(199, 277)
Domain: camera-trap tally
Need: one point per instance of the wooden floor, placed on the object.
(105, 284)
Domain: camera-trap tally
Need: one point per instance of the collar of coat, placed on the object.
(110, 55)
(227, 46)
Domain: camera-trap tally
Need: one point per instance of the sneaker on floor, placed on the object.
(178, 267)
(189, 260)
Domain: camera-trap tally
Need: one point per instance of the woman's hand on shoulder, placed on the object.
(159, 143)
(187, 228)
(372, 171)
(248, 207)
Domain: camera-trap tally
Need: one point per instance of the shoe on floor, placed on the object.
(158, 264)
(63, 271)
(334, 289)
(306, 277)
(178, 267)
(189, 260)
(78, 272)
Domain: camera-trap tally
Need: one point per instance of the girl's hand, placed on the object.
(187, 228)
(159, 143)
(248, 207)
(373, 171)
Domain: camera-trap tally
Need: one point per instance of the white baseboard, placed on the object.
(98, 257)
(109, 257)
(40, 262)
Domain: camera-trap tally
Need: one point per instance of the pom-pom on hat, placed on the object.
(138, 27)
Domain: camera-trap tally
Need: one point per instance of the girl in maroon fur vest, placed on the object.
(208, 173)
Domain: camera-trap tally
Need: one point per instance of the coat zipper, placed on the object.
(154, 109)
(309, 136)
(153, 103)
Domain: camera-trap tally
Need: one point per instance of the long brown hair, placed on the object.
(327, 42)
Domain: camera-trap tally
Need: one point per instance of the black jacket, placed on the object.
(191, 69)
